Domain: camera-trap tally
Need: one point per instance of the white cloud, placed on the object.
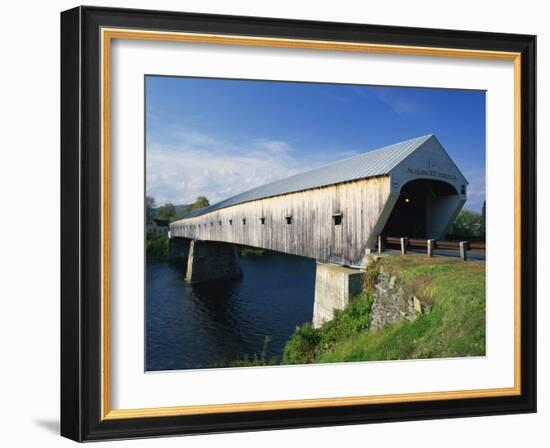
(197, 164)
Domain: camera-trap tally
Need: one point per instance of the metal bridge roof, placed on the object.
(377, 162)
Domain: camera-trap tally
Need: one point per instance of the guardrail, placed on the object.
(430, 245)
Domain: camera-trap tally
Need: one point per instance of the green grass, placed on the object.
(455, 326)
(257, 360)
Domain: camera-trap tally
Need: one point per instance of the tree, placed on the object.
(149, 209)
(166, 211)
(200, 202)
(466, 224)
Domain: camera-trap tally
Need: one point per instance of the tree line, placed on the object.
(169, 211)
(468, 224)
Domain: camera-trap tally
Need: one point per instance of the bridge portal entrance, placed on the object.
(424, 209)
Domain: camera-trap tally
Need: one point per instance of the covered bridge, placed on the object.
(335, 213)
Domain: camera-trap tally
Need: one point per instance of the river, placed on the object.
(214, 324)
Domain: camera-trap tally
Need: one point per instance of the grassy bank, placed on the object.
(156, 246)
(455, 326)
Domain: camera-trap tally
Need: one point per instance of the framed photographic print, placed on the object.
(273, 223)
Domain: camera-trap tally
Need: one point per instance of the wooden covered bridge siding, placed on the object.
(312, 231)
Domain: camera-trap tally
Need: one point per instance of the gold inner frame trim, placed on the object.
(107, 35)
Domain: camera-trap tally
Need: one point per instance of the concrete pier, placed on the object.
(335, 286)
(211, 261)
(178, 250)
(178, 247)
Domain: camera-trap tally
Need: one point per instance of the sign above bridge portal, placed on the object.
(428, 161)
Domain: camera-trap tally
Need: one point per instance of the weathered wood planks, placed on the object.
(312, 231)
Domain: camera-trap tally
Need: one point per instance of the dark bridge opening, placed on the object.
(420, 201)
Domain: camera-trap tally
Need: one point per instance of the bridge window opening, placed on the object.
(244, 221)
(211, 223)
(421, 208)
(337, 219)
(288, 219)
(230, 222)
(463, 189)
(219, 223)
(262, 220)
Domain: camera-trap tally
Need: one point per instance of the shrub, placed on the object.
(255, 361)
(371, 275)
(301, 347)
(156, 246)
(307, 343)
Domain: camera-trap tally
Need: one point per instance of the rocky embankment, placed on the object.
(392, 302)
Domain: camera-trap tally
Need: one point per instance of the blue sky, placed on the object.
(218, 137)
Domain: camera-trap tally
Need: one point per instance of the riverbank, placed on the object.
(156, 246)
(259, 320)
(454, 326)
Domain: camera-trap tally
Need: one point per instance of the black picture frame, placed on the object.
(81, 224)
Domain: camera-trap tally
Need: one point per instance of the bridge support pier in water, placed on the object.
(211, 261)
(335, 286)
(178, 250)
(178, 247)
